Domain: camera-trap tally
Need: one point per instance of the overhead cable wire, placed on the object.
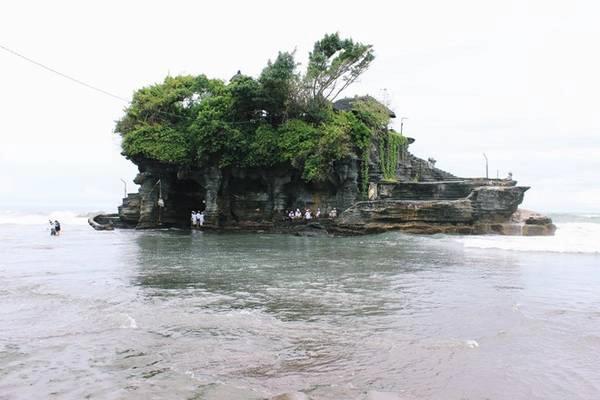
(39, 64)
(78, 81)
(106, 92)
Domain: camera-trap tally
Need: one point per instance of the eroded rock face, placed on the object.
(129, 211)
(423, 200)
(486, 210)
(445, 190)
(384, 212)
(533, 224)
(101, 222)
(496, 203)
(233, 198)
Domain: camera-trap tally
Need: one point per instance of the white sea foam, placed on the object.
(570, 237)
(42, 218)
(132, 322)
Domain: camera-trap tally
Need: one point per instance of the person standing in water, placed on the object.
(57, 226)
(52, 228)
(200, 217)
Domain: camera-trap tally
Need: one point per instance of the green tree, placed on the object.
(245, 95)
(158, 142)
(297, 140)
(334, 64)
(217, 137)
(155, 123)
(279, 82)
(263, 149)
(159, 103)
(280, 118)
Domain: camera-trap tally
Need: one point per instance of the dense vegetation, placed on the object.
(283, 117)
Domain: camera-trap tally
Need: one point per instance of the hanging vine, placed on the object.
(390, 147)
(364, 176)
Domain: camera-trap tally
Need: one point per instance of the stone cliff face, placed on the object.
(486, 209)
(232, 197)
(423, 199)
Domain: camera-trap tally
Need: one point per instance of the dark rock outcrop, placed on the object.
(102, 222)
(424, 199)
(496, 203)
(533, 224)
(232, 198)
(129, 210)
(483, 210)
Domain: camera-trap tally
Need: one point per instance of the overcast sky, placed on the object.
(518, 80)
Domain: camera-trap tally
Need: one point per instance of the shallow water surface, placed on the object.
(172, 314)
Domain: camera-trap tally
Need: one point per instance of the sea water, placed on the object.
(177, 314)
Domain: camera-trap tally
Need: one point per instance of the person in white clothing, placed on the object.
(307, 215)
(298, 214)
(193, 218)
(200, 217)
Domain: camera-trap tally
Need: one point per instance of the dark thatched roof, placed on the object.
(345, 104)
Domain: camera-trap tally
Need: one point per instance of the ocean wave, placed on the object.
(575, 217)
(42, 218)
(570, 237)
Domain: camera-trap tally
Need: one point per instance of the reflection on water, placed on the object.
(174, 314)
(290, 277)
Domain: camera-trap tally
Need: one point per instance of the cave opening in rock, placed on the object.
(249, 199)
(187, 196)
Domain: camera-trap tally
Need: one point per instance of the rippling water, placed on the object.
(171, 314)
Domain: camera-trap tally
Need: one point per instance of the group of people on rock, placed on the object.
(307, 214)
(197, 218)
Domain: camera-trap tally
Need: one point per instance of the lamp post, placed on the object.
(402, 124)
(124, 188)
(486, 166)
(385, 97)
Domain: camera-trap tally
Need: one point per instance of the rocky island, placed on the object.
(248, 150)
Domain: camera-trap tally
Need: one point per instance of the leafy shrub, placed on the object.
(158, 142)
